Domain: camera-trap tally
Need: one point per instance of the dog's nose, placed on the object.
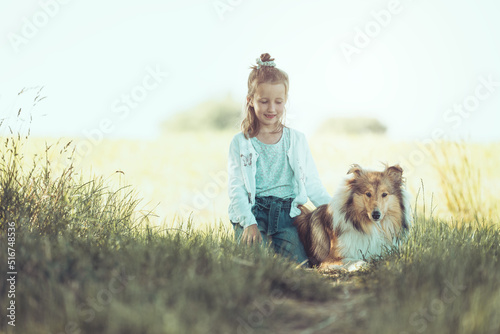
(376, 214)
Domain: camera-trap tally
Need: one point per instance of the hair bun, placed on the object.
(265, 61)
(266, 57)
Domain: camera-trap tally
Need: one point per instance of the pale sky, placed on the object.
(419, 66)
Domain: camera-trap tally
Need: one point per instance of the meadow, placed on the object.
(133, 237)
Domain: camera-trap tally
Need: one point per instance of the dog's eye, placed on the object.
(368, 194)
(384, 194)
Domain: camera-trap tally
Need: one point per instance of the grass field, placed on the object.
(92, 258)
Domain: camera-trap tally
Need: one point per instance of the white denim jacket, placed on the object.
(242, 168)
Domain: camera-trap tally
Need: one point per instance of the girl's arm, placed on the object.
(240, 208)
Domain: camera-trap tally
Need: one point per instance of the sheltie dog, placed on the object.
(369, 212)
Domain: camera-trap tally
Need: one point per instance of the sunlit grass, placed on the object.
(461, 175)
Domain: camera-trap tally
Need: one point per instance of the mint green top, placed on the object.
(274, 175)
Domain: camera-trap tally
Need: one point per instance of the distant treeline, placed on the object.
(226, 114)
(212, 115)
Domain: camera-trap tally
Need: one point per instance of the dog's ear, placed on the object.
(395, 173)
(355, 169)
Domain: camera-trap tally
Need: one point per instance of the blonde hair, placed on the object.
(250, 125)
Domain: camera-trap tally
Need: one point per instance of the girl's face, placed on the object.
(269, 103)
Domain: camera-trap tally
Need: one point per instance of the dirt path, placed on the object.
(340, 315)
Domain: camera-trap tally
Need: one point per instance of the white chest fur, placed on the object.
(355, 245)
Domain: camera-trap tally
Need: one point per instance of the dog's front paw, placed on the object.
(356, 265)
(331, 266)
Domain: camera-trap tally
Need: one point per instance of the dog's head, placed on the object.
(376, 194)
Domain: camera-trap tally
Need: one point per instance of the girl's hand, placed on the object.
(251, 234)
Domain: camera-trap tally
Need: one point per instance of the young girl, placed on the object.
(271, 170)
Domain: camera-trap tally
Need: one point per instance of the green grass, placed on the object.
(88, 262)
(446, 279)
(160, 283)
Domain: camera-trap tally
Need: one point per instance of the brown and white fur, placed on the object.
(369, 212)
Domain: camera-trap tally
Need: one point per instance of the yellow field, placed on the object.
(182, 174)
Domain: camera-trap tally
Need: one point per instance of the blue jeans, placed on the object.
(276, 227)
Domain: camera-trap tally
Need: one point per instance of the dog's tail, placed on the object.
(304, 210)
(314, 232)
(302, 223)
